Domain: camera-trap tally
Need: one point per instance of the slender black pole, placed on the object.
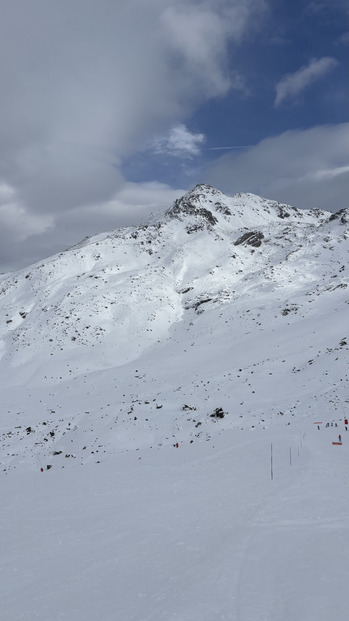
(271, 462)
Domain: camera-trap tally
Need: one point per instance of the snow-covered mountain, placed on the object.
(197, 369)
(234, 306)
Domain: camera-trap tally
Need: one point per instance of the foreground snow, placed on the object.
(195, 533)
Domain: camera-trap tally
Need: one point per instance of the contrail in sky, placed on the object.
(245, 146)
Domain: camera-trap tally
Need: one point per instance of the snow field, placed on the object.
(198, 532)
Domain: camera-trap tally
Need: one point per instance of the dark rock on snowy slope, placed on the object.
(342, 215)
(252, 238)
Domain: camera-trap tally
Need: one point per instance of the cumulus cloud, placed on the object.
(306, 168)
(86, 84)
(199, 32)
(292, 84)
(179, 142)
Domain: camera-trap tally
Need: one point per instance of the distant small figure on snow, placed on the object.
(339, 438)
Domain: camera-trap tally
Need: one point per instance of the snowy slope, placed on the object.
(221, 327)
(239, 303)
(198, 533)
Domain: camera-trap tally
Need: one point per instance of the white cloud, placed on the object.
(42, 235)
(86, 84)
(199, 33)
(180, 142)
(315, 7)
(320, 6)
(292, 84)
(11, 214)
(19, 226)
(135, 202)
(87, 79)
(329, 173)
(16, 221)
(306, 168)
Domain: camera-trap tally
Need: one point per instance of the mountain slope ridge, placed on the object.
(215, 285)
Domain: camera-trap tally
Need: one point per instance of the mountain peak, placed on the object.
(195, 204)
(204, 206)
(240, 290)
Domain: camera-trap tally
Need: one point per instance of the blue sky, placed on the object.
(110, 110)
(292, 36)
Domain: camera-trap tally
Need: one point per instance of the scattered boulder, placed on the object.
(251, 238)
(222, 208)
(290, 309)
(218, 413)
(341, 215)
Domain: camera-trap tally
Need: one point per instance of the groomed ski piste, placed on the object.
(172, 401)
(198, 532)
